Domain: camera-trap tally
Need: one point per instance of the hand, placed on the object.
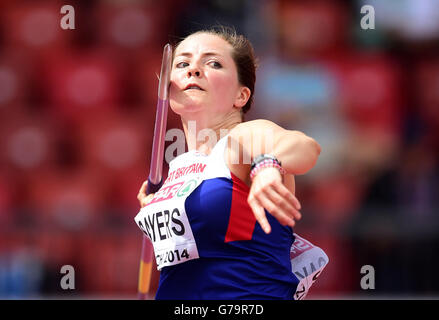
(267, 191)
(144, 198)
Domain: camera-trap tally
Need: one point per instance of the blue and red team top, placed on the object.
(237, 260)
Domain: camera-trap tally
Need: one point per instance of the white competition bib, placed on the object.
(164, 219)
(307, 263)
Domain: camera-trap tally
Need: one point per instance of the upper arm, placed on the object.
(296, 151)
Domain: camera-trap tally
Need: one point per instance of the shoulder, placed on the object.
(256, 128)
(260, 131)
(256, 125)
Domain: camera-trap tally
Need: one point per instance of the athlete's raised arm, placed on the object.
(296, 152)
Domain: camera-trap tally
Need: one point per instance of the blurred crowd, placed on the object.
(77, 110)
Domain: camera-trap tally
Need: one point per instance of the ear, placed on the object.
(242, 97)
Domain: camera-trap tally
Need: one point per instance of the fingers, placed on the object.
(143, 198)
(285, 192)
(276, 198)
(259, 213)
(142, 190)
(282, 201)
(147, 199)
(281, 215)
(289, 197)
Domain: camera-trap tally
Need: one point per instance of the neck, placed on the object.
(202, 133)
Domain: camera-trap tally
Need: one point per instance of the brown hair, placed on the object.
(243, 55)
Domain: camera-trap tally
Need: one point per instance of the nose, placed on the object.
(193, 71)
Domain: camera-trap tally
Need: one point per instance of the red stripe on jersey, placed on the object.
(242, 220)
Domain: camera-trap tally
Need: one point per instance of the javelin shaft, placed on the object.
(158, 145)
(154, 184)
(156, 168)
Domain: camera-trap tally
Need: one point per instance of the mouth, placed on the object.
(193, 86)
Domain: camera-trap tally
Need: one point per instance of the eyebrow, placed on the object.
(210, 53)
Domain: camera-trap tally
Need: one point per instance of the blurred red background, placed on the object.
(77, 110)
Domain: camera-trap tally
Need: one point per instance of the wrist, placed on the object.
(264, 161)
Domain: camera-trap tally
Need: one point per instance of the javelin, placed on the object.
(156, 167)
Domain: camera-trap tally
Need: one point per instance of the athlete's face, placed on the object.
(204, 77)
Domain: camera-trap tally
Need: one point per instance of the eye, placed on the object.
(215, 64)
(181, 64)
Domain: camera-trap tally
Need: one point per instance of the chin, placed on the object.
(184, 108)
